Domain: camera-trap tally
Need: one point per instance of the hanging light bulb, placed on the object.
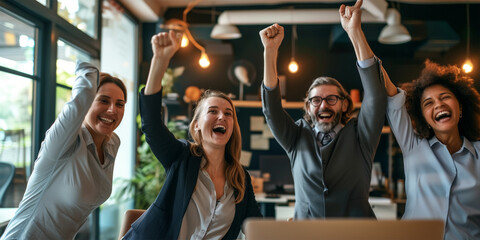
(467, 66)
(293, 65)
(184, 41)
(204, 61)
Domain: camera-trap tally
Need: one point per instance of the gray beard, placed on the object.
(325, 127)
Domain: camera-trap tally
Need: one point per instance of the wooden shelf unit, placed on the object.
(285, 104)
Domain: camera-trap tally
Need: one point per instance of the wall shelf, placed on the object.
(258, 104)
(285, 104)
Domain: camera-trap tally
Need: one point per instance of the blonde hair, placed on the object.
(234, 172)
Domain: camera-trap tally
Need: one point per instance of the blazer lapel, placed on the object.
(191, 179)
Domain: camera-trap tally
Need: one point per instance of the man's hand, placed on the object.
(164, 45)
(272, 36)
(351, 16)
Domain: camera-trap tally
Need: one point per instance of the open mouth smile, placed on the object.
(442, 115)
(106, 120)
(325, 115)
(219, 129)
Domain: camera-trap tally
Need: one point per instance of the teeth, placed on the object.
(106, 120)
(442, 114)
(219, 126)
(325, 115)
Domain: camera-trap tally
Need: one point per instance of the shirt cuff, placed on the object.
(367, 62)
(270, 89)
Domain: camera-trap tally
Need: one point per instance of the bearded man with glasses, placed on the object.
(331, 155)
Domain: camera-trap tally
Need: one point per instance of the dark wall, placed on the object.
(318, 56)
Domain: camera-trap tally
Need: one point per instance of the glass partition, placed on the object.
(119, 58)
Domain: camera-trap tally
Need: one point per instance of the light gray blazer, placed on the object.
(342, 188)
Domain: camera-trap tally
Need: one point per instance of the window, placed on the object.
(80, 13)
(17, 53)
(67, 56)
(16, 96)
(44, 2)
(17, 43)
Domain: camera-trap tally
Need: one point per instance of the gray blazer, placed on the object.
(342, 188)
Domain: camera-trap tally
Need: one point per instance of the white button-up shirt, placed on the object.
(438, 185)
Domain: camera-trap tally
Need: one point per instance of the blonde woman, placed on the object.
(207, 193)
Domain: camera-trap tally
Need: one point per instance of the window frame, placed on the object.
(49, 28)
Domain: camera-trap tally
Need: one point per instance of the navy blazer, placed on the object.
(163, 219)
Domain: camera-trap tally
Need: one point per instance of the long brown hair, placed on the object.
(234, 172)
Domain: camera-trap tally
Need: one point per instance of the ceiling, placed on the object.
(150, 10)
(437, 27)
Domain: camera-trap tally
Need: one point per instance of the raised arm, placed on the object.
(281, 124)
(64, 131)
(164, 46)
(350, 17)
(372, 113)
(391, 88)
(271, 39)
(162, 142)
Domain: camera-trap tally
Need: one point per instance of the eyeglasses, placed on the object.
(330, 99)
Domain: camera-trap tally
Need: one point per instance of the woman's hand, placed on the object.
(165, 44)
(272, 37)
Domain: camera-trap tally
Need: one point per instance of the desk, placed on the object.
(282, 207)
(282, 199)
(268, 206)
(5, 215)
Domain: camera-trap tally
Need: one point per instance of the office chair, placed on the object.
(130, 217)
(7, 171)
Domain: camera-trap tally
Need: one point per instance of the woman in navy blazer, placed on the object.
(207, 193)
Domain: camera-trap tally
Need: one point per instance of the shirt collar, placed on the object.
(89, 139)
(469, 146)
(466, 145)
(87, 136)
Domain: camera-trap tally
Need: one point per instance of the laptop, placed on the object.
(339, 229)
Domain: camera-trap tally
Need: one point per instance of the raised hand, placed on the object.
(165, 44)
(351, 16)
(272, 36)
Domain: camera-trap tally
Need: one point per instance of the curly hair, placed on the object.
(461, 86)
(234, 172)
(341, 91)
